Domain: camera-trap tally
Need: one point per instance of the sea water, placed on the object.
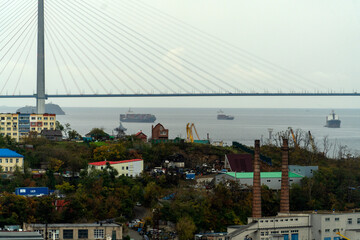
(248, 124)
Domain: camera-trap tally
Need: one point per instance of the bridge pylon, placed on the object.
(40, 89)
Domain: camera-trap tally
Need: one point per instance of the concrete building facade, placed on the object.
(9, 160)
(89, 231)
(130, 168)
(270, 179)
(19, 125)
(306, 171)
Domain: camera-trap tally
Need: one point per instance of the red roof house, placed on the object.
(239, 163)
(141, 135)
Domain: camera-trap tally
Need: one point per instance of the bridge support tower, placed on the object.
(40, 89)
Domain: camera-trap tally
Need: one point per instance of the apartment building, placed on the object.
(10, 159)
(20, 125)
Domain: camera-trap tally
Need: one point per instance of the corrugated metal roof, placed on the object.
(5, 152)
(262, 175)
(102, 163)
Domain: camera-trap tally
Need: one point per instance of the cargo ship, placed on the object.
(137, 117)
(222, 116)
(332, 120)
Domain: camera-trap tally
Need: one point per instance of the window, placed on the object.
(0, 160)
(68, 234)
(10, 169)
(51, 124)
(8, 118)
(122, 168)
(83, 233)
(358, 220)
(51, 118)
(327, 219)
(17, 160)
(10, 160)
(53, 233)
(6, 169)
(8, 129)
(7, 160)
(349, 220)
(39, 118)
(45, 118)
(15, 118)
(41, 232)
(327, 230)
(98, 233)
(127, 167)
(33, 118)
(2, 118)
(337, 219)
(45, 123)
(268, 180)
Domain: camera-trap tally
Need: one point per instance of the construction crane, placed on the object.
(189, 132)
(312, 142)
(293, 136)
(343, 237)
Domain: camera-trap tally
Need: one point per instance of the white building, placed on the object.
(304, 226)
(306, 171)
(133, 167)
(270, 179)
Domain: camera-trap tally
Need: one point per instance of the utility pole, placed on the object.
(40, 93)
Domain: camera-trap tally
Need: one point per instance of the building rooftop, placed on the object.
(62, 225)
(262, 174)
(4, 152)
(20, 235)
(102, 163)
(240, 162)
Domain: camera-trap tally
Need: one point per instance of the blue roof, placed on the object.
(4, 152)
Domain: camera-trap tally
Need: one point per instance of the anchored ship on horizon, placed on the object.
(332, 120)
(137, 117)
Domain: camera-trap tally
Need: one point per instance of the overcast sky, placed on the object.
(317, 40)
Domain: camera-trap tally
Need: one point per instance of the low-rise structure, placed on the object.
(131, 168)
(20, 235)
(270, 179)
(65, 231)
(306, 171)
(52, 135)
(159, 132)
(9, 160)
(142, 136)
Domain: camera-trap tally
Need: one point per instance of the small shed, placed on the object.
(141, 135)
(52, 135)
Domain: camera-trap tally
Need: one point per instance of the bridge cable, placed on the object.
(50, 38)
(26, 28)
(8, 22)
(228, 45)
(216, 46)
(23, 27)
(24, 64)
(90, 59)
(57, 65)
(161, 47)
(94, 46)
(131, 54)
(21, 52)
(166, 30)
(131, 40)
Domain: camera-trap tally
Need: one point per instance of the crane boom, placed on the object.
(343, 237)
(189, 132)
(293, 136)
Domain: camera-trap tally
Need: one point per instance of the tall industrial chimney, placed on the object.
(256, 208)
(284, 200)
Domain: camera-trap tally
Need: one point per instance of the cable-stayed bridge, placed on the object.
(122, 48)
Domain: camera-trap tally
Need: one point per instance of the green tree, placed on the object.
(185, 228)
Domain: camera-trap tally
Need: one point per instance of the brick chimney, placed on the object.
(256, 208)
(284, 200)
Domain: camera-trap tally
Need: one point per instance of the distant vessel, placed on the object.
(222, 116)
(137, 117)
(332, 120)
(49, 108)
